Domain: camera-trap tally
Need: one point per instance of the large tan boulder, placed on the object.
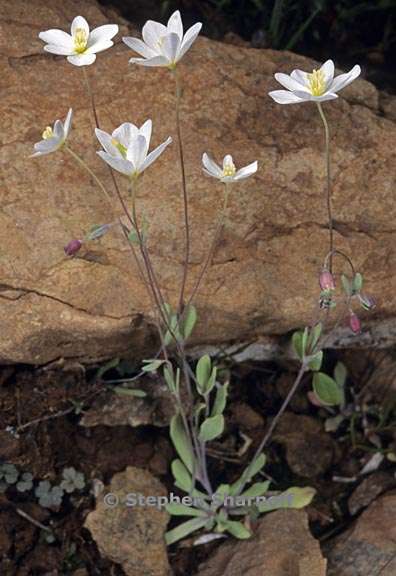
(264, 277)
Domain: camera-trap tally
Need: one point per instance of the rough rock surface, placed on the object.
(369, 548)
(131, 536)
(282, 546)
(263, 280)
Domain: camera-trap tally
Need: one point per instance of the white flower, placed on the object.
(54, 138)
(228, 172)
(163, 45)
(317, 86)
(126, 150)
(82, 45)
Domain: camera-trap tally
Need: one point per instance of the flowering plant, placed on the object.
(199, 391)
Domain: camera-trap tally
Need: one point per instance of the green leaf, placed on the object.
(340, 374)
(181, 475)
(250, 471)
(181, 441)
(257, 489)
(211, 428)
(357, 283)
(299, 341)
(327, 389)
(177, 509)
(314, 336)
(189, 321)
(130, 392)
(299, 497)
(152, 365)
(108, 366)
(203, 371)
(292, 498)
(220, 399)
(184, 530)
(315, 362)
(169, 378)
(237, 529)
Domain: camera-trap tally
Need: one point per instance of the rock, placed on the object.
(369, 547)
(309, 450)
(156, 409)
(369, 489)
(282, 546)
(131, 536)
(246, 417)
(264, 276)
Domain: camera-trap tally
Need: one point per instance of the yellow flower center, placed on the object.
(80, 40)
(119, 146)
(48, 133)
(229, 169)
(317, 83)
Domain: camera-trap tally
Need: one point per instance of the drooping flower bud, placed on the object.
(354, 323)
(326, 280)
(367, 302)
(72, 247)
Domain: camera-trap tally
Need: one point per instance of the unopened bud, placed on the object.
(354, 323)
(326, 280)
(366, 302)
(72, 247)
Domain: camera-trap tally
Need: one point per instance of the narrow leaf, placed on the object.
(181, 441)
(184, 530)
(211, 428)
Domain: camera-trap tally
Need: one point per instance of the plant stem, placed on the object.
(88, 169)
(282, 409)
(212, 250)
(328, 184)
(178, 95)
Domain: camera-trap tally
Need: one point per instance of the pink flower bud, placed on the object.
(326, 280)
(72, 247)
(354, 323)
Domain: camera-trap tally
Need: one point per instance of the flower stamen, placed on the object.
(80, 40)
(317, 83)
(120, 147)
(48, 133)
(229, 169)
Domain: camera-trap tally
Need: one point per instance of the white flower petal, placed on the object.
(311, 98)
(67, 124)
(170, 46)
(211, 167)
(99, 46)
(79, 22)
(152, 33)
(189, 38)
(328, 72)
(126, 133)
(154, 154)
(46, 146)
(58, 130)
(227, 161)
(139, 46)
(106, 141)
(344, 79)
(136, 152)
(101, 33)
(289, 82)
(285, 97)
(175, 24)
(57, 38)
(156, 61)
(119, 164)
(59, 50)
(82, 59)
(246, 171)
(301, 77)
(146, 130)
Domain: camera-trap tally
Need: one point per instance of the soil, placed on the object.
(40, 433)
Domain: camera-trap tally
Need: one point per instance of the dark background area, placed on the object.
(347, 31)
